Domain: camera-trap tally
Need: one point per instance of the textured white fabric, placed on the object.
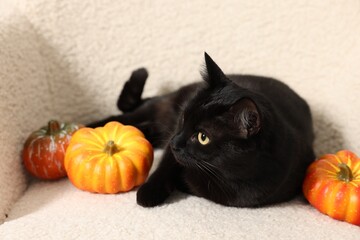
(68, 60)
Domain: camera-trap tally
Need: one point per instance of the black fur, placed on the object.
(259, 130)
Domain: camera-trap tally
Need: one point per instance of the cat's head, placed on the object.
(220, 127)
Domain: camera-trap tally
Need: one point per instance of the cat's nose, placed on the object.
(175, 143)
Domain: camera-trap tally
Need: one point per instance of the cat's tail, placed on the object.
(130, 96)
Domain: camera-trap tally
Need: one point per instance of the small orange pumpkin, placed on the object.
(332, 185)
(44, 150)
(110, 159)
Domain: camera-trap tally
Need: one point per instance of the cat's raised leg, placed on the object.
(150, 115)
(130, 96)
(161, 183)
(146, 118)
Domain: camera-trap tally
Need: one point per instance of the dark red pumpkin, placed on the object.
(44, 150)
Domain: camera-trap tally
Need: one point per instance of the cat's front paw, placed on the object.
(151, 194)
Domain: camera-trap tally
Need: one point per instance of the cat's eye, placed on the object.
(203, 139)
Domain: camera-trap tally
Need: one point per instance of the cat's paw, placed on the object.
(151, 195)
(130, 96)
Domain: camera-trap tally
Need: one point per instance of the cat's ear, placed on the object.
(213, 75)
(246, 117)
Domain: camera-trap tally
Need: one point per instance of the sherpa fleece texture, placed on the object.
(68, 60)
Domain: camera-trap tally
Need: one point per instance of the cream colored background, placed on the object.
(69, 59)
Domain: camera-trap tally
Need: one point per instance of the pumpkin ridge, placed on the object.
(137, 139)
(321, 194)
(93, 157)
(97, 136)
(118, 158)
(93, 143)
(349, 162)
(128, 183)
(135, 145)
(108, 175)
(147, 156)
(136, 178)
(338, 207)
(31, 146)
(349, 208)
(92, 150)
(330, 202)
(98, 172)
(330, 157)
(114, 132)
(129, 132)
(355, 170)
(335, 167)
(28, 152)
(104, 160)
(329, 174)
(143, 164)
(337, 158)
(129, 128)
(73, 149)
(79, 169)
(134, 152)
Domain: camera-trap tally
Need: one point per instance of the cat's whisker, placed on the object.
(205, 173)
(215, 176)
(214, 173)
(211, 165)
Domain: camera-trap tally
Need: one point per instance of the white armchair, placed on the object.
(68, 60)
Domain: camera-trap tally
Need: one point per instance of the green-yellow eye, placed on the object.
(203, 139)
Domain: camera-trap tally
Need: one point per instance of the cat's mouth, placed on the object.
(184, 159)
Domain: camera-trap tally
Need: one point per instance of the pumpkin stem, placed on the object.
(345, 173)
(53, 127)
(110, 148)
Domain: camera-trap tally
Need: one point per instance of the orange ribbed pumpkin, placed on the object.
(110, 159)
(332, 185)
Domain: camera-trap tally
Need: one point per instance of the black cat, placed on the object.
(238, 140)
